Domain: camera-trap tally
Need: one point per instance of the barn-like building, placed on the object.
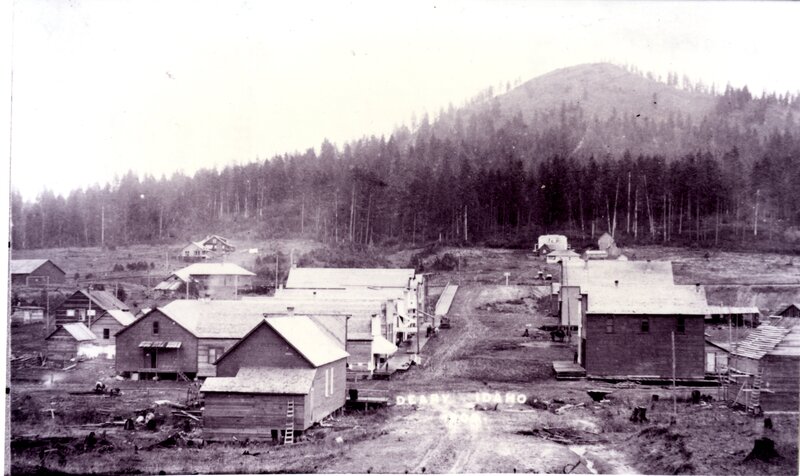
(35, 272)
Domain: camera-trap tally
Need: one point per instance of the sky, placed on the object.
(102, 87)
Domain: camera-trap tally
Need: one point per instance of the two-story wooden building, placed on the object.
(284, 376)
(183, 337)
(634, 331)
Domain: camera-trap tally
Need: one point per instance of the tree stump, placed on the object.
(639, 415)
(695, 397)
(763, 449)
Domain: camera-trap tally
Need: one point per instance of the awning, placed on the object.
(148, 344)
(382, 346)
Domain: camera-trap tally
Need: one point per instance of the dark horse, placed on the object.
(558, 334)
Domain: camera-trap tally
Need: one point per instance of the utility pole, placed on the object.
(102, 226)
(276, 272)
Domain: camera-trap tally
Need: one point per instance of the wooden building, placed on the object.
(194, 251)
(283, 377)
(771, 354)
(35, 272)
(792, 310)
(68, 341)
(736, 315)
(559, 256)
(578, 275)
(207, 280)
(627, 332)
(551, 243)
(216, 243)
(88, 305)
(106, 325)
(717, 357)
(27, 314)
(182, 337)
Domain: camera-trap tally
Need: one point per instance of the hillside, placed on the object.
(601, 90)
(580, 150)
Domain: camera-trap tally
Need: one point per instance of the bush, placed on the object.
(447, 262)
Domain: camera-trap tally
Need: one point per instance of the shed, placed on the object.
(738, 315)
(68, 341)
(35, 272)
(792, 310)
(27, 314)
(287, 373)
(595, 254)
(774, 353)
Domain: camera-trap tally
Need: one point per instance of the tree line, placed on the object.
(476, 174)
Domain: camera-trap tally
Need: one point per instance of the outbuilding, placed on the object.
(552, 243)
(35, 272)
(770, 354)
(284, 376)
(68, 341)
(792, 310)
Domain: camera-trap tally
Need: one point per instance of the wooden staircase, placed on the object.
(288, 438)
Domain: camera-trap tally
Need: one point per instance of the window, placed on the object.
(681, 325)
(70, 312)
(609, 325)
(645, 326)
(106, 334)
(327, 382)
(155, 328)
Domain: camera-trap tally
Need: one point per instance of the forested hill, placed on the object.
(580, 150)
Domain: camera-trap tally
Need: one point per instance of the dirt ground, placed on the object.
(459, 426)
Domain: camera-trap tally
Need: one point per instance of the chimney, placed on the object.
(697, 287)
(586, 263)
(616, 283)
(648, 266)
(290, 310)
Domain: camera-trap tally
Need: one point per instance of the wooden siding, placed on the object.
(131, 358)
(361, 358)
(570, 303)
(106, 322)
(61, 346)
(322, 405)
(782, 377)
(791, 311)
(251, 415)
(629, 352)
(206, 368)
(79, 303)
(263, 348)
(46, 273)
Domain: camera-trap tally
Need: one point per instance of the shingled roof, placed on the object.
(27, 266)
(288, 381)
(761, 341)
(647, 299)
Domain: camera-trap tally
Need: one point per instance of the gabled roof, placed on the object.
(330, 278)
(77, 330)
(792, 305)
(646, 300)
(27, 266)
(314, 344)
(211, 269)
(289, 381)
(213, 319)
(103, 300)
(123, 317)
(196, 244)
(760, 341)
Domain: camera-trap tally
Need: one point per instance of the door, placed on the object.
(711, 362)
(150, 359)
